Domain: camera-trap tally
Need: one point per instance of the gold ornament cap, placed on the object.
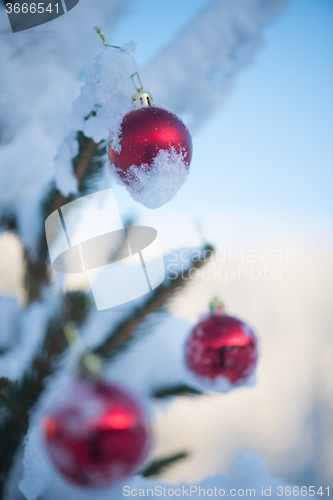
(141, 97)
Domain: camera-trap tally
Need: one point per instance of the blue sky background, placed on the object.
(268, 150)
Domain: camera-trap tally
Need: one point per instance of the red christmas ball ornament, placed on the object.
(97, 434)
(150, 150)
(221, 352)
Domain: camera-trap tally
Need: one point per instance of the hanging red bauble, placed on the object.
(97, 434)
(150, 150)
(221, 351)
(145, 131)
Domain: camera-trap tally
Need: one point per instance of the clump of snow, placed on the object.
(115, 136)
(105, 96)
(219, 384)
(156, 184)
(37, 468)
(31, 326)
(65, 179)
(106, 93)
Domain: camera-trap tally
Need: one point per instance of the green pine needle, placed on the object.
(157, 467)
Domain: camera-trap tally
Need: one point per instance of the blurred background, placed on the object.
(260, 189)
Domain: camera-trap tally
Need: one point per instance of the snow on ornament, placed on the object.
(150, 151)
(221, 352)
(97, 433)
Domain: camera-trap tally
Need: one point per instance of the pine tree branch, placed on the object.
(15, 419)
(156, 299)
(157, 467)
(85, 164)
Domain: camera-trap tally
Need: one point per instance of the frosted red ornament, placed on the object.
(97, 434)
(221, 352)
(150, 150)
